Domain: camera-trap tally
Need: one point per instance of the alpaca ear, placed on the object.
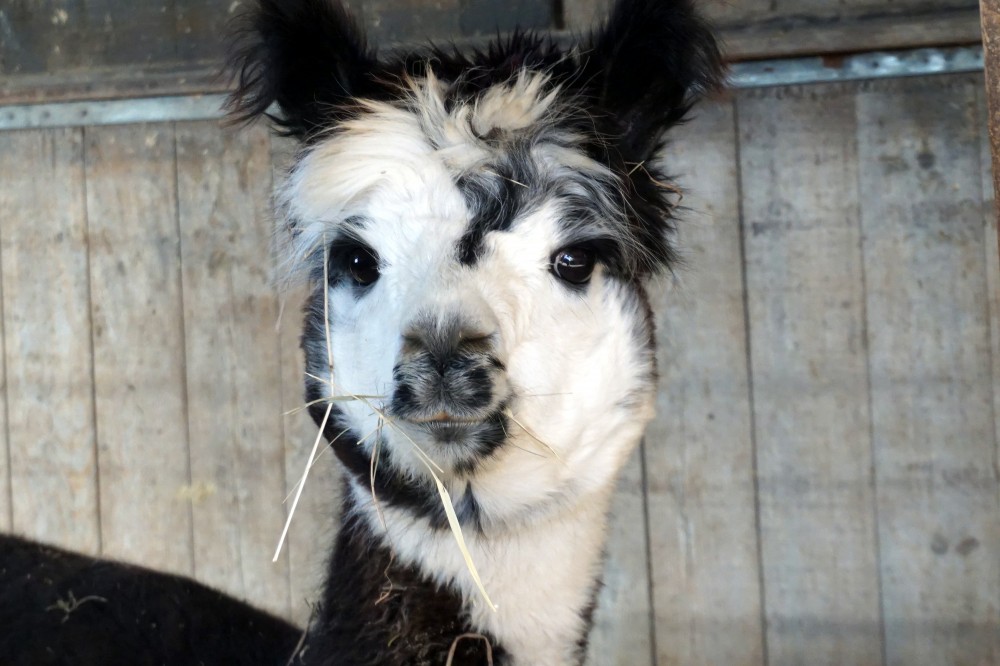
(648, 65)
(308, 56)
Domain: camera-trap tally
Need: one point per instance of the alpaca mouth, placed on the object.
(446, 428)
(444, 418)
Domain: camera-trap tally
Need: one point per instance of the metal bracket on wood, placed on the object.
(755, 74)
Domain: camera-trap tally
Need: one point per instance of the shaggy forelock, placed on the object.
(509, 148)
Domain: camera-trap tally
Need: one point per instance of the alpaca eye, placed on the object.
(362, 264)
(574, 264)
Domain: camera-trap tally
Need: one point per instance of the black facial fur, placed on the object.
(621, 90)
(496, 196)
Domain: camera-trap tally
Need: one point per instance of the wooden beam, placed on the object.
(755, 38)
(991, 41)
(796, 36)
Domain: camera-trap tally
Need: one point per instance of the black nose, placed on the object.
(447, 368)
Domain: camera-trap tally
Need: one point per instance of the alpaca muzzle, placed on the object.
(448, 374)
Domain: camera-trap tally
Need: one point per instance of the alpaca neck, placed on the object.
(542, 576)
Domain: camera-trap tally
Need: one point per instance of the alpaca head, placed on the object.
(478, 229)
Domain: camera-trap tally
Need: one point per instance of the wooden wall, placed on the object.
(821, 483)
(96, 49)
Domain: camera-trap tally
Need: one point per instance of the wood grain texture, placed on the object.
(796, 36)
(622, 632)
(990, 245)
(755, 29)
(748, 11)
(990, 13)
(932, 388)
(67, 34)
(138, 332)
(200, 26)
(232, 360)
(46, 301)
(314, 525)
(6, 510)
(805, 293)
(699, 452)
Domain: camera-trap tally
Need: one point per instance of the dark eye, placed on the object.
(574, 264)
(362, 265)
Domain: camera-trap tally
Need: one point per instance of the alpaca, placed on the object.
(58, 607)
(477, 230)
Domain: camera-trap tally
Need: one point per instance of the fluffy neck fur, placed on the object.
(399, 591)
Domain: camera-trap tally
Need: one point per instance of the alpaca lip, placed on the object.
(449, 431)
(443, 418)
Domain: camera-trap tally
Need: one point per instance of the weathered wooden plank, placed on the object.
(932, 388)
(771, 10)
(314, 525)
(67, 34)
(199, 26)
(752, 30)
(622, 632)
(699, 451)
(795, 36)
(46, 312)
(798, 164)
(137, 317)
(409, 20)
(102, 83)
(726, 13)
(232, 360)
(6, 510)
(990, 10)
(991, 221)
(757, 29)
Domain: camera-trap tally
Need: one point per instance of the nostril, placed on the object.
(476, 341)
(474, 337)
(412, 343)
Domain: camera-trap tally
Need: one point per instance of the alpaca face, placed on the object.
(477, 228)
(476, 287)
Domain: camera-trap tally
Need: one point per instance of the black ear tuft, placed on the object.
(651, 61)
(308, 56)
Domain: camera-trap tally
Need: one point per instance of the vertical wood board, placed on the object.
(932, 388)
(699, 452)
(137, 316)
(232, 360)
(199, 26)
(6, 508)
(992, 240)
(61, 34)
(990, 17)
(805, 292)
(46, 305)
(622, 630)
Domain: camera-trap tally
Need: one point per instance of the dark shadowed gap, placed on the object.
(749, 374)
(90, 341)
